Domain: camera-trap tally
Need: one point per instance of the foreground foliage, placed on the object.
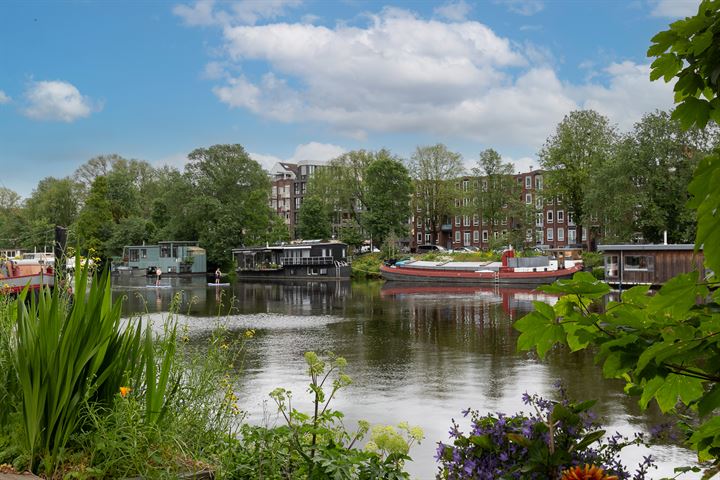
(666, 347)
(544, 444)
(317, 445)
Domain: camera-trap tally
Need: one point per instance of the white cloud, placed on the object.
(245, 12)
(454, 11)
(319, 152)
(4, 98)
(674, 8)
(402, 73)
(57, 101)
(628, 95)
(523, 7)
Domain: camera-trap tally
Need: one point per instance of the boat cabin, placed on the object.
(170, 256)
(306, 259)
(627, 265)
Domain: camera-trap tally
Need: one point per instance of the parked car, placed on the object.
(429, 248)
(467, 249)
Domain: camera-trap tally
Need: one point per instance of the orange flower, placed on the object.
(124, 391)
(586, 473)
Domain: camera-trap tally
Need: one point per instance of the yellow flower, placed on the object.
(124, 391)
(586, 473)
(249, 333)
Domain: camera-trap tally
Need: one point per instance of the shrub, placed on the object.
(539, 445)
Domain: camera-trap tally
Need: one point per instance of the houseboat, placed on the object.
(172, 257)
(310, 260)
(511, 270)
(627, 264)
(18, 274)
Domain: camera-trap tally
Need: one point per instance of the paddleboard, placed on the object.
(158, 286)
(218, 284)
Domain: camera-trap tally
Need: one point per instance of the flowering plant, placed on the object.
(544, 444)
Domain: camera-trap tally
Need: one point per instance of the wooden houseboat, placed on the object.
(17, 274)
(295, 261)
(172, 257)
(627, 265)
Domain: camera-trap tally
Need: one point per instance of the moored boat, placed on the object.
(511, 270)
(18, 274)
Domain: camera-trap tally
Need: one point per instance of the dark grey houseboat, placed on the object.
(307, 260)
(628, 265)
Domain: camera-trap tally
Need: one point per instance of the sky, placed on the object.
(298, 80)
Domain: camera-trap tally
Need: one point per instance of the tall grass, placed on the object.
(67, 352)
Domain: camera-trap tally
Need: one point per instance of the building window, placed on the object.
(571, 236)
(570, 219)
(485, 236)
(561, 234)
(539, 220)
(549, 216)
(476, 220)
(528, 198)
(549, 234)
(504, 221)
(584, 233)
(550, 200)
(465, 185)
(639, 263)
(539, 203)
(528, 182)
(457, 220)
(528, 235)
(457, 236)
(560, 216)
(466, 220)
(559, 199)
(476, 236)
(484, 186)
(538, 182)
(427, 238)
(419, 222)
(466, 238)
(419, 236)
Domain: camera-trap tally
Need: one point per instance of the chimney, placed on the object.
(665, 237)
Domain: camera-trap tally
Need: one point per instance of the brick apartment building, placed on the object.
(553, 225)
(289, 185)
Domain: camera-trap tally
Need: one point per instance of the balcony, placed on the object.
(307, 261)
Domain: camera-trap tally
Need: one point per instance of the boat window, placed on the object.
(639, 263)
(611, 266)
(164, 251)
(133, 255)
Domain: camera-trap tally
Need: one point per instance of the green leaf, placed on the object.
(678, 295)
(637, 295)
(519, 439)
(710, 401)
(649, 390)
(589, 439)
(678, 387)
(666, 65)
(482, 441)
(692, 111)
(701, 42)
(540, 330)
(706, 199)
(582, 284)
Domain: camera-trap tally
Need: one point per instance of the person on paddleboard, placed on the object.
(158, 276)
(218, 274)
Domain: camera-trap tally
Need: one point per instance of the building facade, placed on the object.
(553, 225)
(289, 186)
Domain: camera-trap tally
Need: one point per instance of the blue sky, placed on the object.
(309, 79)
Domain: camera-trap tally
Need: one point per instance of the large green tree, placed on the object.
(230, 200)
(313, 219)
(435, 171)
(582, 143)
(57, 201)
(95, 225)
(496, 194)
(389, 190)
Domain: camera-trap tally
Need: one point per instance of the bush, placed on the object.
(540, 445)
(592, 259)
(317, 444)
(599, 273)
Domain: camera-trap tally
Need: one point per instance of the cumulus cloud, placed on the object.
(4, 98)
(403, 73)
(315, 151)
(57, 101)
(247, 12)
(674, 8)
(628, 95)
(454, 11)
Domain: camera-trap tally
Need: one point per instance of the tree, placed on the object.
(689, 51)
(582, 143)
(94, 224)
(55, 200)
(435, 170)
(313, 219)
(495, 193)
(11, 220)
(229, 200)
(388, 197)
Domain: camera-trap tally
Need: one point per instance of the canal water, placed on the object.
(420, 354)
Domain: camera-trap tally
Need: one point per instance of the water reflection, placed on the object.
(416, 353)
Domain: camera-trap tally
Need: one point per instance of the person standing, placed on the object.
(218, 274)
(158, 276)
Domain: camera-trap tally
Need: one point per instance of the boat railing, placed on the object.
(307, 261)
